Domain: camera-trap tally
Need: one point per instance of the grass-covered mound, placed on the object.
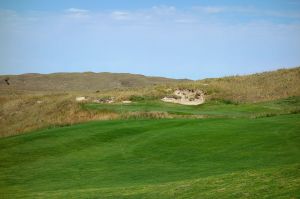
(178, 158)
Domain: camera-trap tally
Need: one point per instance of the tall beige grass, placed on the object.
(251, 88)
(23, 113)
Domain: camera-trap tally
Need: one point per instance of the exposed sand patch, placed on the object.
(126, 102)
(186, 97)
(80, 99)
(104, 100)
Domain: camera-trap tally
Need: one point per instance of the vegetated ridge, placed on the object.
(87, 81)
(257, 87)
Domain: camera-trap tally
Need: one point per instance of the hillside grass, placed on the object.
(25, 113)
(236, 96)
(210, 109)
(258, 87)
(254, 88)
(82, 82)
(168, 158)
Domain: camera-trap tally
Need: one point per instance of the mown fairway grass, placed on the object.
(169, 158)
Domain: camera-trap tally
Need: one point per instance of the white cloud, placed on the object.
(164, 10)
(77, 13)
(224, 9)
(210, 9)
(76, 10)
(7, 13)
(247, 10)
(294, 2)
(185, 21)
(281, 14)
(120, 15)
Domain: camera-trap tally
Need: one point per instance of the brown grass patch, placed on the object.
(25, 113)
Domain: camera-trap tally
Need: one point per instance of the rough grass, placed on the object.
(258, 87)
(178, 158)
(24, 113)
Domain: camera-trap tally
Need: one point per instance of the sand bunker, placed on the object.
(126, 102)
(104, 100)
(81, 99)
(186, 97)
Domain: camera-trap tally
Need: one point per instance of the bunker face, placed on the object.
(186, 97)
(80, 99)
(126, 102)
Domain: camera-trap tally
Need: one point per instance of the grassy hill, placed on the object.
(178, 158)
(80, 81)
(247, 96)
(258, 87)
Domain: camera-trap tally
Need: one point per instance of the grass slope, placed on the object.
(179, 158)
(80, 81)
(258, 87)
(210, 109)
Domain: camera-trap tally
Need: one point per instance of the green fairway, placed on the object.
(210, 109)
(169, 158)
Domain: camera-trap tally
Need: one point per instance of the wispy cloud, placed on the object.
(293, 2)
(185, 20)
(290, 14)
(245, 10)
(154, 14)
(7, 13)
(163, 10)
(160, 15)
(121, 15)
(210, 9)
(77, 13)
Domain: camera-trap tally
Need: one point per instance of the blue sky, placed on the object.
(179, 39)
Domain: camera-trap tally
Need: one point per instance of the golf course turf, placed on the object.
(167, 158)
(209, 109)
